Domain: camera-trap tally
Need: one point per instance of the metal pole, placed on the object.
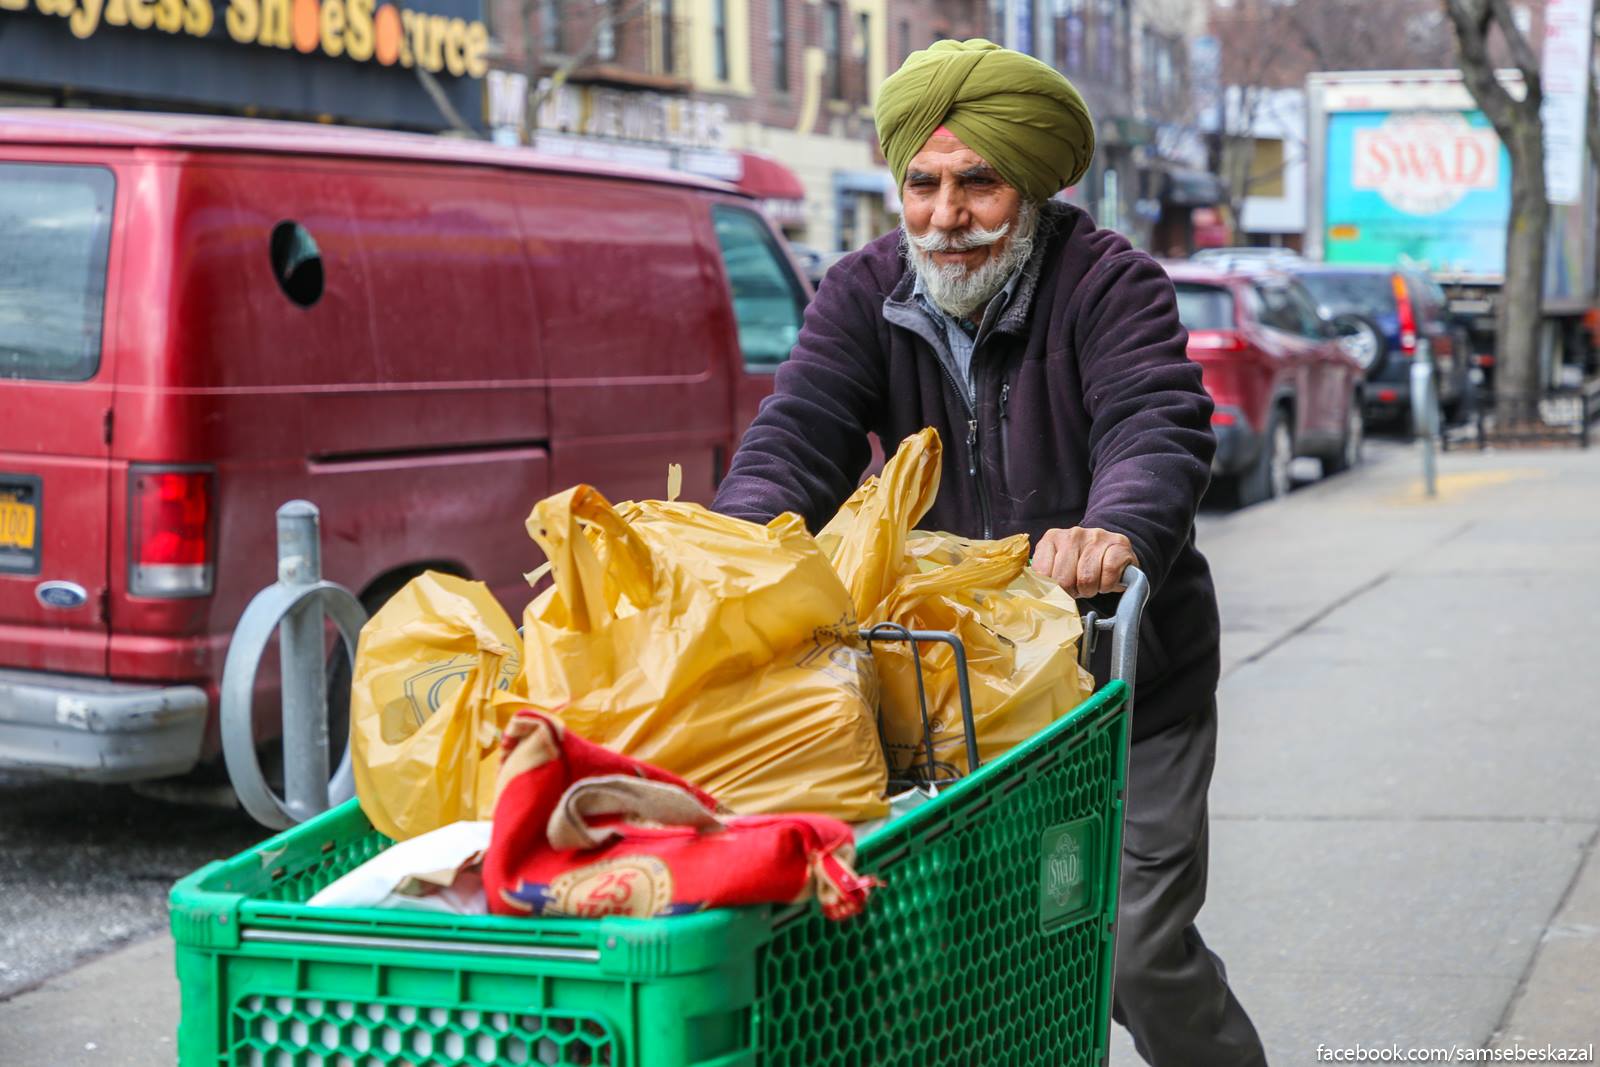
(1424, 416)
(305, 687)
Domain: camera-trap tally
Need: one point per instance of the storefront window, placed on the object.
(55, 229)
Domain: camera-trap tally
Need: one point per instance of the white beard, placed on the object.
(951, 286)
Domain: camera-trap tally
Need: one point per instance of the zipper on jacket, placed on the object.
(1005, 451)
(975, 470)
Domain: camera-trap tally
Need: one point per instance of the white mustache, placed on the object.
(958, 240)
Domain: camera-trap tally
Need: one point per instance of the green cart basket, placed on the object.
(991, 943)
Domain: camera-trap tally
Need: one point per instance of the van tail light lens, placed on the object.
(1216, 341)
(171, 519)
(1223, 418)
(1408, 318)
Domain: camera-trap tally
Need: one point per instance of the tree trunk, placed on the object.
(1517, 372)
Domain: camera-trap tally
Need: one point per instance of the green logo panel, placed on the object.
(1069, 875)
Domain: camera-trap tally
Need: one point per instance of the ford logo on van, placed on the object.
(61, 594)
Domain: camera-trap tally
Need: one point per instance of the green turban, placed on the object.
(1018, 113)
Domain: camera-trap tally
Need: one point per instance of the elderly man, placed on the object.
(1048, 355)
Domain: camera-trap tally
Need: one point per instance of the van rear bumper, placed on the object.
(69, 726)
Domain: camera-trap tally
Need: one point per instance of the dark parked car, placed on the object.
(1402, 316)
(813, 262)
(1283, 384)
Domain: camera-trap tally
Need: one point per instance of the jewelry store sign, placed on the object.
(640, 118)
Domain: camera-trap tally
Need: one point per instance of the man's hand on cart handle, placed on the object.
(1084, 561)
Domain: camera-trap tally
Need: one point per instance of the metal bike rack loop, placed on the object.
(294, 608)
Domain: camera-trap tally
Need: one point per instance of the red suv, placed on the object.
(1283, 385)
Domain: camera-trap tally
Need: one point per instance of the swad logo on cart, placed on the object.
(1066, 888)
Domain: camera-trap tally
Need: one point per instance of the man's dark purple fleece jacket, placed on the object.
(1088, 412)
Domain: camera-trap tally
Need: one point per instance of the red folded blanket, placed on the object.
(582, 831)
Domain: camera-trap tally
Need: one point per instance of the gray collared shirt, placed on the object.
(961, 337)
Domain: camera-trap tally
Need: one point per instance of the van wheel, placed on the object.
(1269, 476)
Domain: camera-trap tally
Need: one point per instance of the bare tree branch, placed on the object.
(441, 100)
(608, 22)
(1594, 97)
(1521, 52)
(1472, 19)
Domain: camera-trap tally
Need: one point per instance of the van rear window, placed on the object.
(55, 230)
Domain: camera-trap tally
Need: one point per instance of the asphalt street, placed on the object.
(86, 868)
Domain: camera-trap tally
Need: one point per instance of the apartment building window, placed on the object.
(1166, 75)
(719, 38)
(669, 42)
(780, 45)
(1105, 33)
(550, 25)
(832, 30)
(1044, 29)
(1147, 68)
(905, 39)
(1124, 45)
(1070, 42)
(605, 34)
(863, 35)
(997, 21)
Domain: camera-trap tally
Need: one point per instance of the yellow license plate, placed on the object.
(19, 526)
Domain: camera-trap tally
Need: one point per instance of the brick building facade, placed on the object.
(699, 83)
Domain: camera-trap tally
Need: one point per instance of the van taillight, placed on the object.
(170, 515)
(1408, 318)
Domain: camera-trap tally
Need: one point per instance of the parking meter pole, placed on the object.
(1424, 418)
(300, 641)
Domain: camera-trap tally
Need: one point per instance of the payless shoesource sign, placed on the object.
(360, 31)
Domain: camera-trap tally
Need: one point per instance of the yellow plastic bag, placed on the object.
(720, 650)
(1020, 631)
(424, 723)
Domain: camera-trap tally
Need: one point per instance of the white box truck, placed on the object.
(1403, 167)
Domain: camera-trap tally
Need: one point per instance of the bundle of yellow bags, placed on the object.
(721, 650)
(1019, 630)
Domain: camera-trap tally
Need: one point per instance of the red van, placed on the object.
(202, 318)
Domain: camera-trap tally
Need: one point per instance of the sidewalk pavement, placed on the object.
(1407, 793)
(120, 1010)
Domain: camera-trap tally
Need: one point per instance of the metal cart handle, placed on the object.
(1123, 627)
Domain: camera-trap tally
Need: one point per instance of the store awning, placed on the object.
(782, 196)
(767, 179)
